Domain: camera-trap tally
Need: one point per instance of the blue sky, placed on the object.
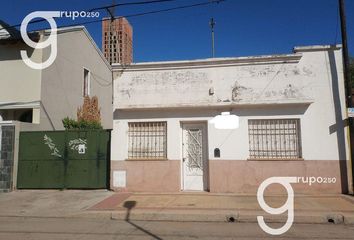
(243, 27)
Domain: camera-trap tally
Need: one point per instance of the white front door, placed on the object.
(194, 161)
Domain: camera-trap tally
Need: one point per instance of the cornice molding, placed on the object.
(210, 62)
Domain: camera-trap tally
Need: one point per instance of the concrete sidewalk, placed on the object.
(171, 207)
(49, 203)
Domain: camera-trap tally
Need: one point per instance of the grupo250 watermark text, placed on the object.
(52, 38)
(289, 204)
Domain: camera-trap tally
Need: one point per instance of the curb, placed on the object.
(176, 216)
(349, 220)
(204, 216)
(299, 219)
(232, 216)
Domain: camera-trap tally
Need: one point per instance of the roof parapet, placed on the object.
(210, 62)
(315, 48)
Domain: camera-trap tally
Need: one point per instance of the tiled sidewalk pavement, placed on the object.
(217, 207)
(223, 202)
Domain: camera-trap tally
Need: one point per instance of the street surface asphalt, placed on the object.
(46, 228)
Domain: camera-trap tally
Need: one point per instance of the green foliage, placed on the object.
(70, 124)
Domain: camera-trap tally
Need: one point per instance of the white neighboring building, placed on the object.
(291, 112)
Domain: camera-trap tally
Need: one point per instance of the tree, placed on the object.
(89, 111)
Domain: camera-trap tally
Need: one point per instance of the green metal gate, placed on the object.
(64, 159)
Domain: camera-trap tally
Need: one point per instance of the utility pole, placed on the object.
(348, 91)
(345, 52)
(212, 24)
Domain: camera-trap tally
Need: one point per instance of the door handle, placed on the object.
(183, 159)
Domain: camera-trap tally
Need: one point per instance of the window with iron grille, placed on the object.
(147, 140)
(274, 138)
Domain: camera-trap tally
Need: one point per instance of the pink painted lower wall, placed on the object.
(245, 176)
(149, 176)
(233, 176)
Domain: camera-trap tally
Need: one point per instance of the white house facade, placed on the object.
(291, 111)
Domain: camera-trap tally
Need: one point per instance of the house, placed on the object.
(35, 100)
(40, 99)
(291, 111)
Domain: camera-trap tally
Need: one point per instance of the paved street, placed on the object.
(84, 228)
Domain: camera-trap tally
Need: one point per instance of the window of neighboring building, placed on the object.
(87, 83)
(274, 138)
(147, 140)
(26, 116)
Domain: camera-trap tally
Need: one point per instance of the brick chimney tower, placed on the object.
(117, 40)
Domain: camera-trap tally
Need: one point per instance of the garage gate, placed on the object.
(64, 159)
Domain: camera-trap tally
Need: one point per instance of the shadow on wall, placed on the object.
(129, 205)
(340, 124)
(11, 51)
(274, 110)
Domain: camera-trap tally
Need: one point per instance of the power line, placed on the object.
(131, 3)
(141, 14)
(100, 8)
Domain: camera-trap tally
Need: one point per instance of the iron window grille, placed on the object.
(147, 140)
(274, 138)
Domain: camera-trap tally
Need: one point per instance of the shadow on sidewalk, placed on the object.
(129, 205)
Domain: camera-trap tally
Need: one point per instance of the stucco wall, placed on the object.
(310, 89)
(282, 79)
(19, 83)
(62, 82)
